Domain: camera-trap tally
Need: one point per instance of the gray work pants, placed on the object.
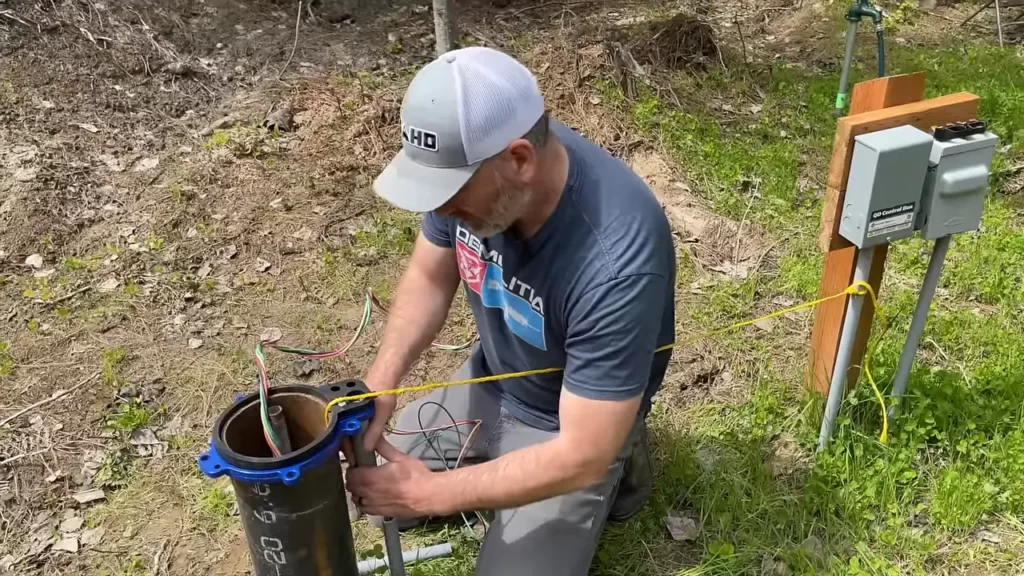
(553, 537)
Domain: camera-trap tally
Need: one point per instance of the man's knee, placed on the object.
(554, 537)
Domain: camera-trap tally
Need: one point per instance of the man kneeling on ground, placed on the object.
(567, 261)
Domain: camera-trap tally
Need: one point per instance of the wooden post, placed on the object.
(876, 105)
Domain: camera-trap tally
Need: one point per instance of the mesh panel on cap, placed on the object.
(498, 101)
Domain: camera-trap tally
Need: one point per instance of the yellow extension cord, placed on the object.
(855, 289)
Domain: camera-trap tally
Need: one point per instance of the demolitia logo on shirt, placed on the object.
(524, 317)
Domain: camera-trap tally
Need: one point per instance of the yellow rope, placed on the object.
(856, 289)
(884, 436)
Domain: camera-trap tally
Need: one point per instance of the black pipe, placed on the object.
(293, 507)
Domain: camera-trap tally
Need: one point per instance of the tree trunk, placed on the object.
(446, 29)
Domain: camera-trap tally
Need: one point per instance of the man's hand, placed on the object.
(383, 407)
(592, 435)
(399, 489)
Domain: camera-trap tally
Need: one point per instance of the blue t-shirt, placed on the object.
(592, 291)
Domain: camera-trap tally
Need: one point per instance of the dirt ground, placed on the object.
(152, 228)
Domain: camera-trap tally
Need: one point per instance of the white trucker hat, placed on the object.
(462, 108)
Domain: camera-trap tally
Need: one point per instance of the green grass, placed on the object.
(954, 461)
(6, 361)
(111, 360)
(129, 417)
(215, 505)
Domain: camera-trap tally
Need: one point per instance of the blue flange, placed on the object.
(349, 423)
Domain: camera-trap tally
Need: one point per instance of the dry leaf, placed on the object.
(88, 128)
(773, 567)
(262, 265)
(89, 496)
(305, 366)
(991, 538)
(229, 252)
(738, 271)
(43, 273)
(194, 343)
(271, 335)
(303, 234)
(112, 163)
(147, 444)
(69, 544)
(682, 528)
(108, 285)
(94, 536)
(35, 261)
(204, 271)
(92, 461)
(765, 324)
(173, 428)
(146, 164)
(73, 524)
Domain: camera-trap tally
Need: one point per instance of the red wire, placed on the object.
(264, 382)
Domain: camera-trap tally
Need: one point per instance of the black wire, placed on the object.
(430, 438)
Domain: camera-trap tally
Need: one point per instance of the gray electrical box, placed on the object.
(954, 192)
(883, 194)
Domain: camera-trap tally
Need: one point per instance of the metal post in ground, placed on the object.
(837, 386)
(392, 540)
(844, 76)
(999, 24)
(924, 301)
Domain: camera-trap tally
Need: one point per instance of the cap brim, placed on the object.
(418, 188)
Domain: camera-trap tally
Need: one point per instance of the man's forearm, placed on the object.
(518, 478)
(417, 315)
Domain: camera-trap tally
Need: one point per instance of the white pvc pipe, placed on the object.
(418, 555)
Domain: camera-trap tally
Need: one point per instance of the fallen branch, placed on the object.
(56, 396)
(544, 4)
(10, 14)
(70, 296)
(13, 459)
(295, 42)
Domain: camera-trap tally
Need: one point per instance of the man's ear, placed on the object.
(523, 157)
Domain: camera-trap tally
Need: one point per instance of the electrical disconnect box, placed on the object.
(954, 191)
(884, 190)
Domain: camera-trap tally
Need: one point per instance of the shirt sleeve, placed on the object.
(611, 336)
(437, 229)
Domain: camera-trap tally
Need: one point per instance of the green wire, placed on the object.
(264, 403)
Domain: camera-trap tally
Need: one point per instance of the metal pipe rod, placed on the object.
(280, 427)
(999, 24)
(837, 386)
(429, 553)
(844, 77)
(880, 37)
(924, 301)
(393, 548)
(392, 540)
